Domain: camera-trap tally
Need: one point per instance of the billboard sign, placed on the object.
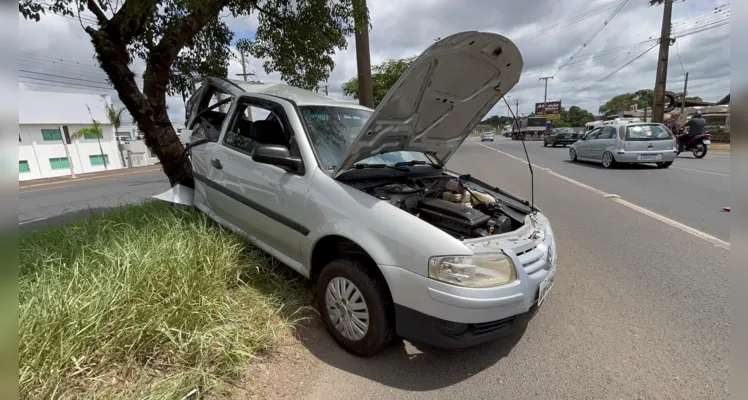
(551, 109)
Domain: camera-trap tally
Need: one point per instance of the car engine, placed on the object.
(456, 208)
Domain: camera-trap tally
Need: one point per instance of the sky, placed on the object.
(547, 32)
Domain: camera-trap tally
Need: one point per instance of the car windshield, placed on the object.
(647, 132)
(332, 130)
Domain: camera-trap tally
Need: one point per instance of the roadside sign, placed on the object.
(548, 125)
(551, 109)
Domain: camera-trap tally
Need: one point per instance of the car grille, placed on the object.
(533, 259)
(487, 327)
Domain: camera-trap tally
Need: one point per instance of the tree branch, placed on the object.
(161, 58)
(94, 8)
(273, 15)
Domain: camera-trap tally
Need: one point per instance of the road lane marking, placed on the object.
(673, 223)
(28, 221)
(703, 172)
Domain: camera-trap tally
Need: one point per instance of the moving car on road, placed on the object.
(360, 201)
(626, 143)
(562, 136)
(487, 135)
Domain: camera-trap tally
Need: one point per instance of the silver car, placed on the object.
(487, 135)
(626, 143)
(361, 203)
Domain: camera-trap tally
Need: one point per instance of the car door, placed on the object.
(263, 200)
(206, 116)
(606, 139)
(583, 148)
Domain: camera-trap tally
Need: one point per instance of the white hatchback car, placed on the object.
(360, 201)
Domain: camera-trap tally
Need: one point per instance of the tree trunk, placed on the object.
(101, 150)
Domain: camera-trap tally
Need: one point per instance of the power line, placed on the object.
(57, 82)
(605, 23)
(568, 22)
(609, 75)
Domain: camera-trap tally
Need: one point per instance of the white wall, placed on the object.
(37, 151)
(140, 154)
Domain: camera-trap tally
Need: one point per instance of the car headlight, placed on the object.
(477, 271)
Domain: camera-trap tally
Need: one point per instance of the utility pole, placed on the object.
(363, 58)
(244, 73)
(658, 109)
(63, 130)
(545, 94)
(516, 112)
(683, 99)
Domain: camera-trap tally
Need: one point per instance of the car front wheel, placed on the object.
(356, 307)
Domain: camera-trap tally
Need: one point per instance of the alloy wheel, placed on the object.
(607, 160)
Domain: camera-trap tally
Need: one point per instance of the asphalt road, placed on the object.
(639, 311)
(57, 203)
(692, 191)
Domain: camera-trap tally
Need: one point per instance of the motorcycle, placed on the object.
(697, 145)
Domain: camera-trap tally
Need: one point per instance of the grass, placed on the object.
(147, 301)
(721, 147)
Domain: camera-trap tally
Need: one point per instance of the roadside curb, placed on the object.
(88, 177)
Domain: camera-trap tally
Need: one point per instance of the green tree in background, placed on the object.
(383, 76)
(94, 131)
(180, 39)
(642, 98)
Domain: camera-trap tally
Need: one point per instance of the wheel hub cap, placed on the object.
(347, 308)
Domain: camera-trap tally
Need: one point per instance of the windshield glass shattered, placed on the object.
(333, 129)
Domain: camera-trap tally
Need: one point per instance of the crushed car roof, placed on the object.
(301, 97)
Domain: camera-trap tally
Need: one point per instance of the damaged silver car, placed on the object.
(360, 201)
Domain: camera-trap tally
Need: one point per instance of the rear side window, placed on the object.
(639, 133)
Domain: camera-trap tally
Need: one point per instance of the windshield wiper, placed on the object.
(416, 162)
(395, 167)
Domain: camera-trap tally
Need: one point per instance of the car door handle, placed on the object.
(216, 163)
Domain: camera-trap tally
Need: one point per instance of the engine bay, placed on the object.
(450, 203)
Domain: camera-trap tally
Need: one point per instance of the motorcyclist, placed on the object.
(694, 127)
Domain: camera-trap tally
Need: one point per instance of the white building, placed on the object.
(47, 122)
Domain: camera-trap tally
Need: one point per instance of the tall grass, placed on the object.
(149, 301)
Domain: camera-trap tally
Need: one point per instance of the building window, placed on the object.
(19, 137)
(90, 136)
(98, 160)
(59, 163)
(23, 166)
(51, 134)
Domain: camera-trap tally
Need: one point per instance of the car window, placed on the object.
(210, 112)
(593, 134)
(252, 124)
(647, 132)
(607, 132)
(332, 130)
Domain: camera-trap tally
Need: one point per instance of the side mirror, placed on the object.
(278, 155)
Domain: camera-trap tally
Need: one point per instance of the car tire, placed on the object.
(664, 164)
(564, 145)
(372, 304)
(554, 144)
(608, 160)
(545, 144)
(573, 154)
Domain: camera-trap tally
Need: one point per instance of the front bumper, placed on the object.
(437, 313)
(633, 156)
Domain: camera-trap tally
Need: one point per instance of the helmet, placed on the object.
(696, 115)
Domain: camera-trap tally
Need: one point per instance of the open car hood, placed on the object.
(437, 102)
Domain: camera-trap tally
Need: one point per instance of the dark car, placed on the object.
(562, 136)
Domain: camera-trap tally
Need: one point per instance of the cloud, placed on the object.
(406, 28)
